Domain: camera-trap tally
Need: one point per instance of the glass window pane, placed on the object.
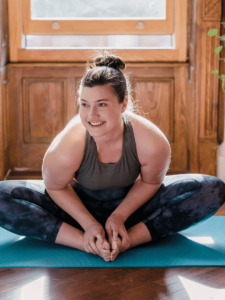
(98, 9)
(111, 41)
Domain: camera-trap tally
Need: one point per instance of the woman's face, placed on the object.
(108, 110)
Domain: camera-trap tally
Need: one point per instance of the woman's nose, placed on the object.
(93, 112)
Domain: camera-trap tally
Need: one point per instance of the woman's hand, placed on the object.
(93, 230)
(115, 225)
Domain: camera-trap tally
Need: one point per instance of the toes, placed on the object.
(104, 245)
(114, 252)
(107, 259)
(113, 257)
(105, 252)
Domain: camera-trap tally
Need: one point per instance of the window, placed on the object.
(55, 30)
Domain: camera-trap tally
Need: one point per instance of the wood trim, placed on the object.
(18, 53)
(15, 33)
(57, 55)
(211, 10)
(220, 132)
(3, 122)
(209, 83)
(181, 31)
(71, 65)
(98, 26)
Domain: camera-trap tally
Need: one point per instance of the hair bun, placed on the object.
(109, 60)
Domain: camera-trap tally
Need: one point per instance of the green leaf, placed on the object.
(212, 32)
(218, 49)
(215, 71)
(222, 76)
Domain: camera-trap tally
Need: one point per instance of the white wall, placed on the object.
(221, 158)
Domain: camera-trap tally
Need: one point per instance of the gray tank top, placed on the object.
(94, 175)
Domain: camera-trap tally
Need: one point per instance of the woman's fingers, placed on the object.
(100, 238)
(109, 232)
(93, 247)
(125, 241)
(115, 235)
(89, 249)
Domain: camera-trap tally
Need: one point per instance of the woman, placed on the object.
(104, 187)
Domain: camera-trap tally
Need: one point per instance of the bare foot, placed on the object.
(104, 249)
(115, 246)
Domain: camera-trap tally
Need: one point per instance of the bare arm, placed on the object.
(61, 161)
(69, 201)
(139, 194)
(153, 170)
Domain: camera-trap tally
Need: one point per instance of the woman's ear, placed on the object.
(125, 102)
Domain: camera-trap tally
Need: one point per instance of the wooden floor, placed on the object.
(112, 283)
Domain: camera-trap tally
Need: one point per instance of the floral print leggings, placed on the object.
(182, 201)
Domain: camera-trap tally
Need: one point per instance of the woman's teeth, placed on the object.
(95, 124)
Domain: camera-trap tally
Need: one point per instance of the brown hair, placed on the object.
(106, 69)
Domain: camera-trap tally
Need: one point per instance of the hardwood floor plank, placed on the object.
(5, 272)
(22, 275)
(149, 291)
(211, 277)
(107, 283)
(190, 273)
(179, 295)
(217, 282)
(95, 287)
(126, 286)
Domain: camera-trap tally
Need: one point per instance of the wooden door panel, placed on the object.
(43, 102)
(163, 101)
(44, 109)
(155, 99)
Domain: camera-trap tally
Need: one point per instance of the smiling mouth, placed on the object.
(96, 125)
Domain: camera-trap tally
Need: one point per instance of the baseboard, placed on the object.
(16, 175)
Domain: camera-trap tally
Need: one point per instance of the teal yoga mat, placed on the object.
(200, 245)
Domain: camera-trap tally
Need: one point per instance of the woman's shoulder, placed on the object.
(145, 130)
(75, 129)
(71, 140)
(142, 125)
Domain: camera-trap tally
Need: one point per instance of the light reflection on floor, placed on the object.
(33, 290)
(197, 291)
(201, 239)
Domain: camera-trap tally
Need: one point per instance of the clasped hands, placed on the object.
(113, 226)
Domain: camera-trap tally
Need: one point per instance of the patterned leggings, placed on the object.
(181, 202)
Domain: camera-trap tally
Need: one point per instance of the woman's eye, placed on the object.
(83, 104)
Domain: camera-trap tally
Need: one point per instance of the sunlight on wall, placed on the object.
(221, 158)
(198, 291)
